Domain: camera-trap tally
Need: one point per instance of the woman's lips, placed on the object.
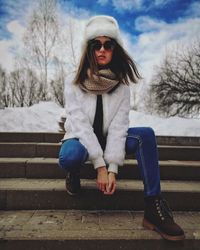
(101, 57)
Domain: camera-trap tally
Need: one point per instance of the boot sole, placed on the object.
(70, 193)
(150, 226)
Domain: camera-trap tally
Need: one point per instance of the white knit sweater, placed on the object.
(80, 111)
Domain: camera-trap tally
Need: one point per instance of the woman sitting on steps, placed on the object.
(97, 125)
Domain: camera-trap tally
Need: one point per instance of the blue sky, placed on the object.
(125, 11)
(148, 27)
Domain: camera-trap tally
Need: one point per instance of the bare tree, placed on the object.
(40, 39)
(176, 83)
(24, 86)
(70, 40)
(4, 89)
(17, 88)
(34, 88)
(57, 84)
(66, 59)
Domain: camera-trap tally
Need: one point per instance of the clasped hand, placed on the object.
(106, 181)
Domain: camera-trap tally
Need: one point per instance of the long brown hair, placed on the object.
(121, 64)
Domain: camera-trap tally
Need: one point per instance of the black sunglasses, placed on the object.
(108, 45)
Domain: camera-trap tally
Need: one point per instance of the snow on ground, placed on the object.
(44, 117)
(166, 126)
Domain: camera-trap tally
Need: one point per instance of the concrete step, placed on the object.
(29, 149)
(56, 137)
(89, 230)
(51, 150)
(20, 193)
(30, 137)
(48, 168)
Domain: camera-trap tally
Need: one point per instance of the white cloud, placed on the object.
(69, 9)
(193, 10)
(127, 5)
(103, 2)
(6, 58)
(135, 5)
(161, 2)
(17, 10)
(146, 23)
(16, 29)
(13, 23)
(9, 48)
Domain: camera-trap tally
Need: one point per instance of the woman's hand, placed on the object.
(102, 179)
(111, 184)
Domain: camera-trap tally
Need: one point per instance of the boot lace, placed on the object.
(163, 209)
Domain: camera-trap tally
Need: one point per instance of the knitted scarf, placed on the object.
(101, 83)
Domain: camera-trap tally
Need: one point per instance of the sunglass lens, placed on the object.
(97, 46)
(109, 45)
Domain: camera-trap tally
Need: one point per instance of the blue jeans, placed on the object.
(140, 141)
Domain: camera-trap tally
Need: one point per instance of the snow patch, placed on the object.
(41, 117)
(44, 117)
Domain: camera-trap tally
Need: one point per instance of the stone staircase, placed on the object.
(36, 212)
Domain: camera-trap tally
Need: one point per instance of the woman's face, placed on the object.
(103, 54)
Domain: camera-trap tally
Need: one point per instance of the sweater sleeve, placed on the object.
(115, 148)
(81, 128)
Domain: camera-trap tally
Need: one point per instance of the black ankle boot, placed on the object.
(158, 217)
(72, 182)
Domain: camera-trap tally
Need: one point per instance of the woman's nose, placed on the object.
(102, 48)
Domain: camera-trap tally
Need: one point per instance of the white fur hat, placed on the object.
(102, 26)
